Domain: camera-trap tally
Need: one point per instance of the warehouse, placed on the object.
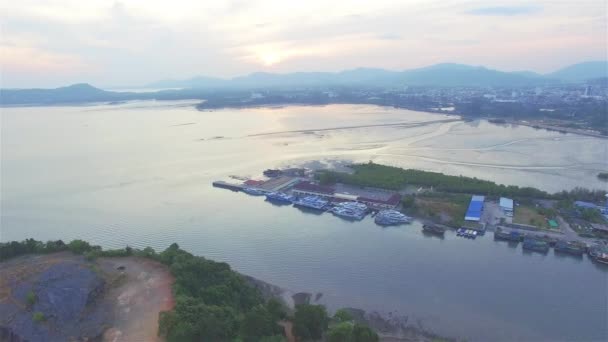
(475, 209)
(506, 204)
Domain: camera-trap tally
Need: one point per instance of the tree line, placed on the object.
(394, 178)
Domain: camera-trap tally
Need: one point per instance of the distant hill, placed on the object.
(447, 74)
(81, 92)
(465, 75)
(582, 71)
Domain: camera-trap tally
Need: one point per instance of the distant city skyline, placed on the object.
(58, 42)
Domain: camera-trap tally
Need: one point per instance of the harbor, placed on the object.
(293, 187)
(299, 188)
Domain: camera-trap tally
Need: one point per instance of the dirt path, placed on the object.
(140, 292)
(288, 328)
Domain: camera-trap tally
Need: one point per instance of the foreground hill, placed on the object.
(58, 292)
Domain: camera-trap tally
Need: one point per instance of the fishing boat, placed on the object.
(500, 234)
(536, 245)
(570, 247)
(433, 229)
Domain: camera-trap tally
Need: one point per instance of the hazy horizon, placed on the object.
(60, 42)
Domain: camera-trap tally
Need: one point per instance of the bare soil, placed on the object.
(139, 293)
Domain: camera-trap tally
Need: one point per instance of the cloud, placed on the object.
(390, 36)
(504, 10)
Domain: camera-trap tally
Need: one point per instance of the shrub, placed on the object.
(31, 298)
(38, 317)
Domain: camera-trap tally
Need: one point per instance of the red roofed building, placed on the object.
(308, 188)
(253, 182)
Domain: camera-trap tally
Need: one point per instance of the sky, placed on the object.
(50, 43)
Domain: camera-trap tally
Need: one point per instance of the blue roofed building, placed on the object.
(475, 209)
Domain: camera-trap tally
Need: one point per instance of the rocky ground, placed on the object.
(61, 297)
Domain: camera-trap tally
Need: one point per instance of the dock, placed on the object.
(229, 186)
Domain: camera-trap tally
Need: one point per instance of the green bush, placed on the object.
(38, 317)
(31, 298)
(342, 316)
(341, 332)
(310, 321)
(79, 246)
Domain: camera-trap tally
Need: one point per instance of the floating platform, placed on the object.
(229, 186)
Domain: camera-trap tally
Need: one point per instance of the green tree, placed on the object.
(276, 309)
(341, 332)
(363, 333)
(343, 315)
(257, 323)
(79, 246)
(408, 201)
(273, 338)
(310, 321)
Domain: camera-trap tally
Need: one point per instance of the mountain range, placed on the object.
(446, 74)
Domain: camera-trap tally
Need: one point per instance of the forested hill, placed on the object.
(212, 302)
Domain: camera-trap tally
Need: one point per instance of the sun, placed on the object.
(270, 58)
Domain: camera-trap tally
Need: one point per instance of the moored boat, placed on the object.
(254, 192)
(348, 213)
(536, 245)
(434, 229)
(280, 197)
(391, 217)
(311, 202)
(570, 247)
(513, 236)
(602, 258)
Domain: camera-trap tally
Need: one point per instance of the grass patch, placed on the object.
(448, 208)
(530, 216)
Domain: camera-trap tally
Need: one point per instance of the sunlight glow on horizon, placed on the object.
(132, 42)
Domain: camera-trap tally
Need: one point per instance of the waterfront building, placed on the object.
(475, 209)
(506, 204)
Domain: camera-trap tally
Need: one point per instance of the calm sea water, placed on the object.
(140, 173)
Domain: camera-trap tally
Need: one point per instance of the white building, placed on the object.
(506, 204)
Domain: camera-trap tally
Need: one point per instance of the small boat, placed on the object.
(460, 232)
(434, 229)
(254, 192)
(602, 258)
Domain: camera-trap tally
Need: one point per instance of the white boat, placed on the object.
(391, 217)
